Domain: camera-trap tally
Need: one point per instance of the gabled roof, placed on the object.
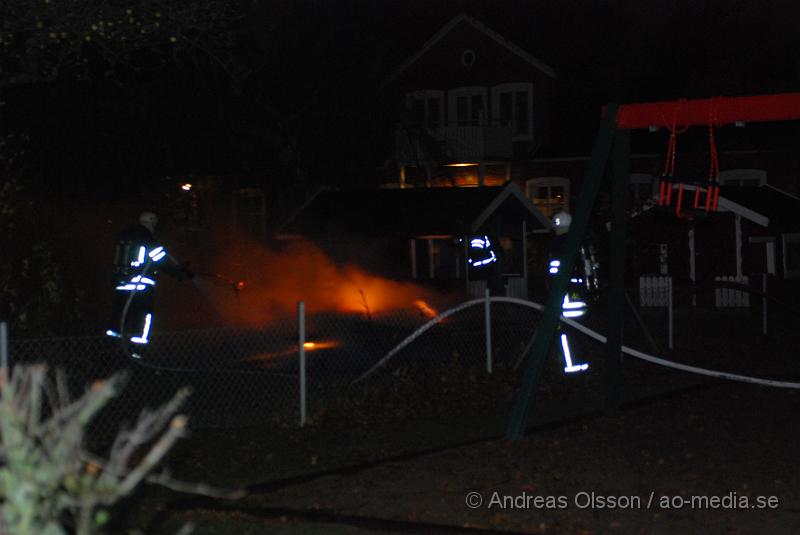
(411, 212)
(765, 205)
(462, 18)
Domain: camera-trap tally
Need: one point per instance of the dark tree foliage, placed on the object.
(45, 41)
(69, 71)
(33, 296)
(91, 81)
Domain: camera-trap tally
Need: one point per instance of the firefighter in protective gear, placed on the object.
(138, 259)
(483, 259)
(481, 251)
(583, 281)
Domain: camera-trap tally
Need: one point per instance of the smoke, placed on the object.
(274, 281)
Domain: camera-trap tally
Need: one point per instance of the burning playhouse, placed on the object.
(476, 238)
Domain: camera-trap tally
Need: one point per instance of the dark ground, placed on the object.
(730, 439)
(400, 454)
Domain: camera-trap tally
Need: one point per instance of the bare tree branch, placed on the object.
(46, 471)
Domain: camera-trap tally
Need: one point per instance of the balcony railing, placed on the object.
(452, 144)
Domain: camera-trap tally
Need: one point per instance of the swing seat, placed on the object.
(690, 198)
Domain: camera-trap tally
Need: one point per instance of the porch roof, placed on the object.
(762, 203)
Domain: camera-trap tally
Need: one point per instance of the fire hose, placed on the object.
(588, 332)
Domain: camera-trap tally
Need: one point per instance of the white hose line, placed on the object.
(413, 336)
(590, 333)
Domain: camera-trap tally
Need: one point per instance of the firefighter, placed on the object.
(582, 284)
(138, 259)
(483, 258)
(481, 252)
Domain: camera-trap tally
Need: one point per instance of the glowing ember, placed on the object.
(289, 353)
(312, 346)
(425, 308)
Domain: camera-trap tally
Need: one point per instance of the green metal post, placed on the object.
(543, 338)
(616, 268)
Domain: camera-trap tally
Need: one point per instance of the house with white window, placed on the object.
(475, 108)
(473, 105)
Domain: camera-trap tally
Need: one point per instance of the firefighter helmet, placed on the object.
(561, 222)
(148, 220)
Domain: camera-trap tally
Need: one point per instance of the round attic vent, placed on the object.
(468, 58)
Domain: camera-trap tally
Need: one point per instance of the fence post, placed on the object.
(4, 349)
(764, 303)
(488, 315)
(301, 320)
(669, 311)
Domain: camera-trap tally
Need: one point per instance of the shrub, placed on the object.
(50, 484)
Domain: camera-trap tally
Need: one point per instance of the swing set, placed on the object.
(691, 197)
(677, 116)
(670, 182)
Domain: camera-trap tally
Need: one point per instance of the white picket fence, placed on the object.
(517, 287)
(476, 289)
(654, 290)
(514, 287)
(729, 297)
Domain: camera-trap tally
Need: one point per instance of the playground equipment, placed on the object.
(614, 134)
(669, 181)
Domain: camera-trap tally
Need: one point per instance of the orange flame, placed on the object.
(426, 309)
(276, 281)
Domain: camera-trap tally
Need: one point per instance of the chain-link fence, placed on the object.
(746, 326)
(225, 369)
(251, 376)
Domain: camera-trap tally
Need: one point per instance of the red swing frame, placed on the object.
(678, 115)
(720, 111)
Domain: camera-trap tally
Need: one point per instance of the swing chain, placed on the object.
(712, 194)
(668, 176)
(665, 186)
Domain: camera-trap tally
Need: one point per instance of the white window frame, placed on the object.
(736, 177)
(426, 94)
(471, 91)
(513, 88)
(532, 186)
(786, 239)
